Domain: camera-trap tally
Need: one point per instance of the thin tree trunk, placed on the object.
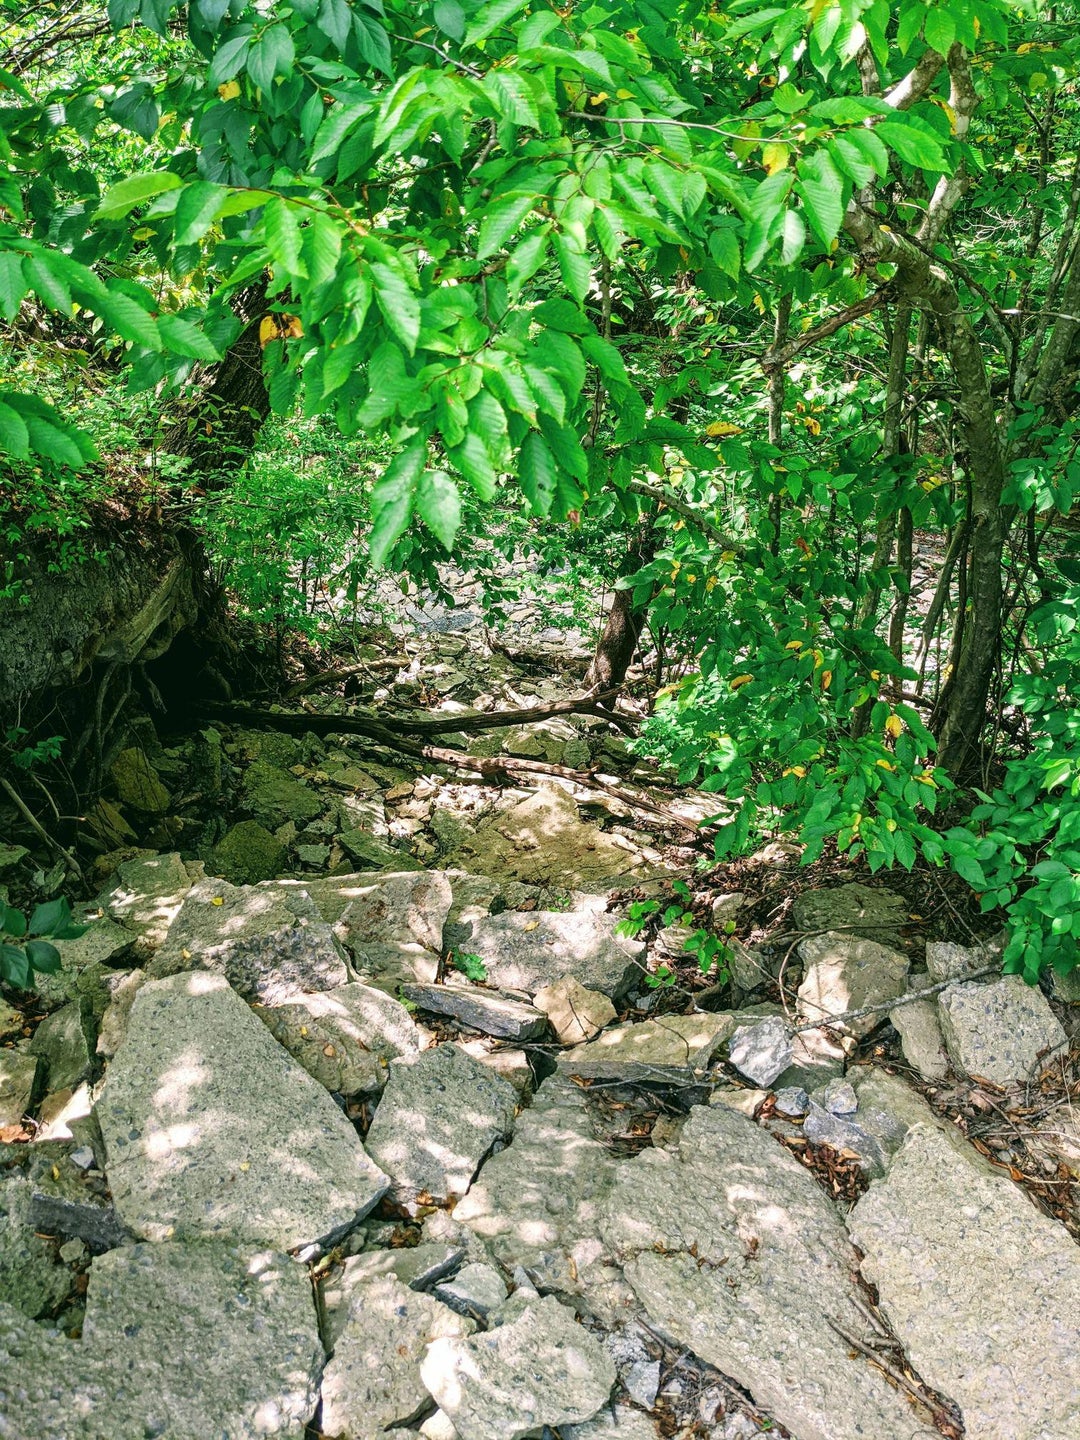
(777, 382)
(625, 621)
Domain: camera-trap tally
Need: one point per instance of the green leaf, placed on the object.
(472, 459)
(536, 472)
(47, 918)
(53, 442)
(271, 55)
(438, 504)
(373, 41)
(228, 59)
(181, 337)
(514, 97)
(15, 967)
(46, 280)
(821, 187)
(399, 303)
(14, 436)
(851, 159)
(128, 318)
(14, 922)
(43, 956)
(281, 231)
(500, 222)
(526, 259)
(392, 500)
(13, 284)
(939, 30)
(574, 267)
(491, 17)
(335, 21)
(450, 18)
(793, 237)
(196, 209)
(135, 190)
(916, 146)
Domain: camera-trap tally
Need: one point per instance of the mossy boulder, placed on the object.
(274, 796)
(247, 854)
(138, 783)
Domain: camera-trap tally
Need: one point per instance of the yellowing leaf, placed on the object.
(599, 98)
(875, 674)
(531, 925)
(329, 1050)
(894, 726)
(819, 659)
(230, 90)
(185, 954)
(885, 764)
(711, 583)
(268, 331)
(728, 555)
(814, 426)
(740, 681)
(723, 427)
(774, 156)
(624, 94)
(925, 778)
(799, 770)
(793, 645)
(245, 1165)
(218, 900)
(826, 679)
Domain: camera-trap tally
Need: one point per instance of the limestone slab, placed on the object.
(576, 1014)
(184, 1341)
(212, 1130)
(439, 1116)
(346, 1038)
(18, 1077)
(418, 1267)
(373, 1380)
(762, 1050)
(146, 898)
(392, 925)
(735, 1251)
(482, 1010)
(981, 1288)
(528, 950)
(668, 1049)
(845, 972)
(270, 944)
(541, 1369)
(1002, 1031)
(865, 910)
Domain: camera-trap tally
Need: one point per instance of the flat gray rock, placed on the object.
(212, 1130)
(482, 1010)
(347, 1037)
(475, 1290)
(667, 1050)
(762, 1050)
(921, 1039)
(981, 1288)
(439, 1116)
(947, 961)
(536, 1203)
(541, 1369)
(863, 910)
(392, 925)
(735, 1251)
(1002, 1030)
(184, 1341)
(845, 972)
(30, 1278)
(418, 1266)
(525, 950)
(270, 944)
(373, 1380)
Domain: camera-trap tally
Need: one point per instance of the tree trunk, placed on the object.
(622, 630)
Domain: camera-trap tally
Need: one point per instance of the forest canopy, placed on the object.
(770, 314)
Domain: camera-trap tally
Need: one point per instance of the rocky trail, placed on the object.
(356, 1113)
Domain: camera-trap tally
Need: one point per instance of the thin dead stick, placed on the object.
(39, 829)
(830, 1022)
(897, 1376)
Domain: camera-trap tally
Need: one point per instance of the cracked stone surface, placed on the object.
(146, 897)
(762, 1051)
(1003, 1031)
(346, 1038)
(212, 1130)
(373, 1380)
(270, 944)
(392, 925)
(541, 1369)
(418, 1266)
(844, 972)
(536, 1203)
(439, 1116)
(860, 909)
(771, 1261)
(529, 950)
(576, 1014)
(184, 1341)
(982, 1289)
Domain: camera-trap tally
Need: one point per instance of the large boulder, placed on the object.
(528, 950)
(146, 897)
(668, 1050)
(246, 854)
(347, 1038)
(844, 972)
(212, 1130)
(865, 910)
(392, 925)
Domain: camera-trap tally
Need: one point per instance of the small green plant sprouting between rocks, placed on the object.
(471, 966)
(710, 949)
(23, 946)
